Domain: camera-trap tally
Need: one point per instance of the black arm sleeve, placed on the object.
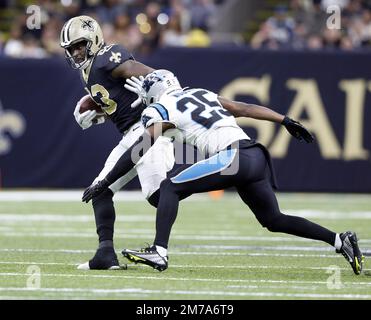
(130, 157)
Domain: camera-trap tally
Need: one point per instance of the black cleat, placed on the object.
(350, 250)
(104, 259)
(148, 256)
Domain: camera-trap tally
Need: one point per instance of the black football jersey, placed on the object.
(109, 92)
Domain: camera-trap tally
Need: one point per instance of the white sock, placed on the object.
(338, 242)
(161, 251)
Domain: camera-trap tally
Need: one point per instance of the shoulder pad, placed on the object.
(111, 56)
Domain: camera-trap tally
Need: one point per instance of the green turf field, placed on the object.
(217, 251)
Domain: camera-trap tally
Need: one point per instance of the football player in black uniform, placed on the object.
(234, 160)
(103, 70)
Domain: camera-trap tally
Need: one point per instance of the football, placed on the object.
(87, 103)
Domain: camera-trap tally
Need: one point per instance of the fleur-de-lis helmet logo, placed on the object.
(88, 24)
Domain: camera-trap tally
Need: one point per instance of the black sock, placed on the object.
(106, 244)
(104, 212)
(167, 211)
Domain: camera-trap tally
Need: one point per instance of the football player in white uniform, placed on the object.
(201, 118)
(103, 70)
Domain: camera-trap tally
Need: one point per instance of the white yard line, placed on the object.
(51, 195)
(189, 292)
(75, 195)
(46, 250)
(55, 296)
(70, 217)
(88, 274)
(218, 253)
(74, 217)
(38, 263)
(258, 247)
(140, 233)
(174, 237)
(329, 214)
(207, 253)
(245, 266)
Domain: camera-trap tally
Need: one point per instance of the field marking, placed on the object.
(221, 253)
(56, 297)
(306, 213)
(174, 253)
(190, 292)
(39, 263)
(56, 196)
(75, 195)
(329, 214)
(174, 237)
(150, 232)
(181, 266)
(251, 247)
(77, 251)
(163, 278)
(47, 217)
(141, 233)
(272, 248)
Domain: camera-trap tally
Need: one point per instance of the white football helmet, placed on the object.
(79, 29)
(158, 83)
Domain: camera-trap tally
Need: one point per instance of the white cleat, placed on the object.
(84, 266)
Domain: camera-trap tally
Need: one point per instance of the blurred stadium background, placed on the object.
(306, 58)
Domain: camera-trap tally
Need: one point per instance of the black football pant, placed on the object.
(253, 183)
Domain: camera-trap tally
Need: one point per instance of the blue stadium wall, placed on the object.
(41, 146)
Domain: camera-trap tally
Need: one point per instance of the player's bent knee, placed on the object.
(154, 198)
(274, 224)
(167, 186)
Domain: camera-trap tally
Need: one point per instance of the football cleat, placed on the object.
(350, 250)
(148, 256)
(104, 259)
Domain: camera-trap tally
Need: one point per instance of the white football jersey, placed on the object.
(199, 119)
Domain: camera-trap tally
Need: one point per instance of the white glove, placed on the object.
(136, 85)
(85, 120)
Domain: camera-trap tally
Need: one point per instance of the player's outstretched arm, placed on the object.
(241, 109)
(128, 160)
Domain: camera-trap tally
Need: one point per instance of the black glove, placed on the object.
(297, 130)
(95, 190)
